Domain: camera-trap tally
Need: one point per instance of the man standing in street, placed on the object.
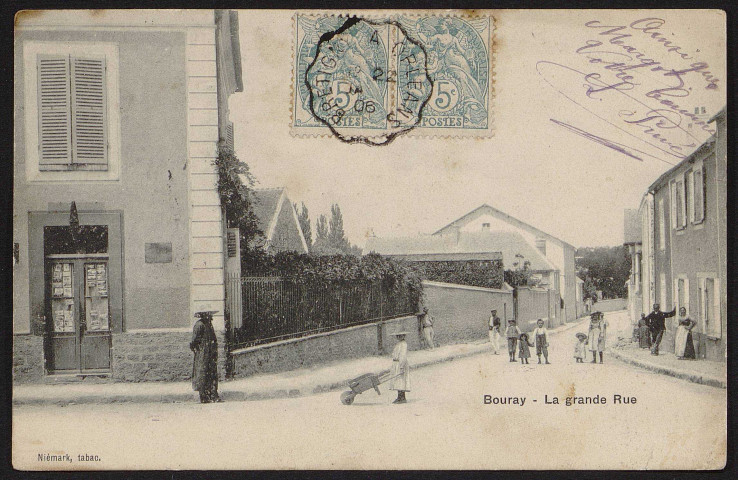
(494, 331)
(428, 334)
(657, 325)
(205, 365)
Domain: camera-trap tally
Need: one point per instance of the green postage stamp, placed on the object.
(371, 79)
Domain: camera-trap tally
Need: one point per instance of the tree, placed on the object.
(336, 235)
(235, 188)
(520, 275)
(304, 219)
(606, 268)
(321, 229)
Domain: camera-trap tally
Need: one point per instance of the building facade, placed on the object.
(684, 233)
(558, 252)
(632, 240)
(117, 221)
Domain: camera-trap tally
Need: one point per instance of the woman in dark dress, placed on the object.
(683, 344)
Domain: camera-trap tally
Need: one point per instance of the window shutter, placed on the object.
(717, 326)
(703, 212)
(689, 194)
(703, 322)
(55, 147)
(89, 129)
(229, 136)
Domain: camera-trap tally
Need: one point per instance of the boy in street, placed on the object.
(540, 339)
(512, 333)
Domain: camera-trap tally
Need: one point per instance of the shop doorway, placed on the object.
(77, 295)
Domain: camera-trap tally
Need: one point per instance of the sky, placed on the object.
(563, 157)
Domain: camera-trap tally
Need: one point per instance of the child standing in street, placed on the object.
(512, 333)
(400, 368)
(525, 348)
(580, 349)
(540, 339)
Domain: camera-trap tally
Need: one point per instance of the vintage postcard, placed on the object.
(386, 239)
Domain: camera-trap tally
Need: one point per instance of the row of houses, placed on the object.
(677, 241)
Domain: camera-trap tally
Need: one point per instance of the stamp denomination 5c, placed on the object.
(369, 80)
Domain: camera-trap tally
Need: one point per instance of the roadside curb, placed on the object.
(691, 377)
(231, 394)
(227, 393)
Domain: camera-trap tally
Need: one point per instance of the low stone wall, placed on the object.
(152, 355)
(352, 342)
(461, 313)
(28, 358)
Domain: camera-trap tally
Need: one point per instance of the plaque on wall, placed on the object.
(159, 252)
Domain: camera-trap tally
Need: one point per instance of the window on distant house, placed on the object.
(709, 296)
(681, 212)
(662, 225)
(72, 112)
(698, 193)
(485, 226)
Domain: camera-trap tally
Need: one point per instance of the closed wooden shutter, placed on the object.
(229, 136)
(54, 124)
(89, 136)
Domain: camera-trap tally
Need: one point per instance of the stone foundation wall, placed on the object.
(28, 358)
(353, 342)
(138, 356)
(157, 356)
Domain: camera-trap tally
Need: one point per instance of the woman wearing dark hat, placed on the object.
(400, 368)
(205, 364)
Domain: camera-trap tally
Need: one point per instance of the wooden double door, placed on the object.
(78, 314)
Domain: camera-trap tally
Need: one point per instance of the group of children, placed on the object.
(517, 340)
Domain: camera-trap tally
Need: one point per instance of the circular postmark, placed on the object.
(368, 81)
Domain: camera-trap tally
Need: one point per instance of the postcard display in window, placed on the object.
(96, 296)
(62, 285)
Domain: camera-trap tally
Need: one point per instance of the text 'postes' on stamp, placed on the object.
(370, 80)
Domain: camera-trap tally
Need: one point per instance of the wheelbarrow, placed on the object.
(365, 382)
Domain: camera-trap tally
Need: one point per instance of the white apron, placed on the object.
(400, 366)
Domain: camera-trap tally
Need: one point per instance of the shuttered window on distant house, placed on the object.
(72, 113)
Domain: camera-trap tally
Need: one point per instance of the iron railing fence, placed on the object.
(274, 309)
